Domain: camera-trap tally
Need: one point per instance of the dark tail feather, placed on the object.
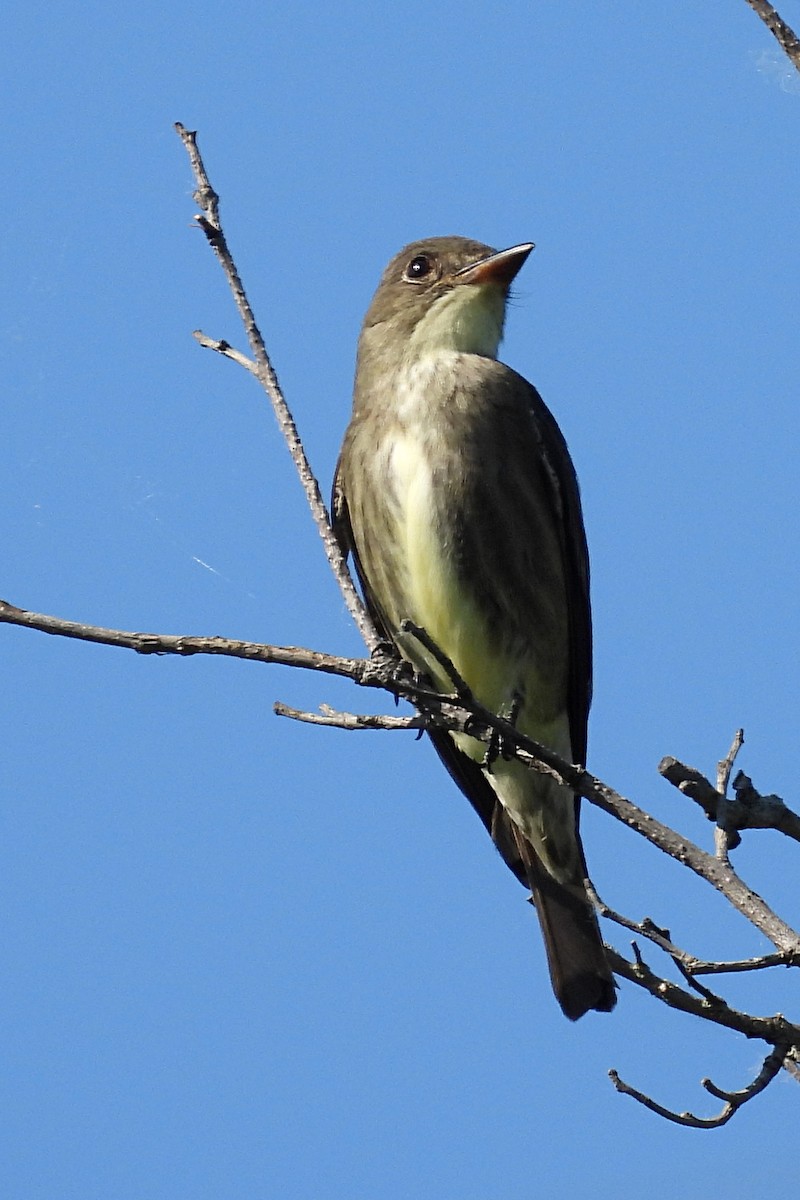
(579, 970)
(581, 977)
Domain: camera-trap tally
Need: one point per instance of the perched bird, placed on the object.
(456, 495)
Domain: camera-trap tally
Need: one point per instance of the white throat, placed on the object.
(469, 319)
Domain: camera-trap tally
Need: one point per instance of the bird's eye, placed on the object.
(418, 268)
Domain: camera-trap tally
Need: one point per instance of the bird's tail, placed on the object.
(579, 970)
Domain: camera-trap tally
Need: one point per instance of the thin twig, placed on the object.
(208, 220)
(719, 875)
(784, 35)
(725, 765)
(700, 966)
(226, 350)
(773, 1030)
(343, 720)
(688, 963)
(726, 837)
(185, 646)
(733, 1100)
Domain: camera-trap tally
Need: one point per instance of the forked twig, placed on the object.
(770, 1067)
(208, 220)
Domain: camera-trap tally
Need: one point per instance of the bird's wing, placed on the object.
(566, 503)
(558, 490)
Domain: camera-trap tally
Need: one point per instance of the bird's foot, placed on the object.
(496, 748)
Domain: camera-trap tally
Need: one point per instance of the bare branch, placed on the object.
(226, 350)
(208, 220)
(719, 875)
(784, 35)
(791, 1065)
(343, 720)
(714, 803)
(733, 1100)
(700, 966)
(447, 712)
(161, 643)
(725, 836)
(774, 1030)
(691, 783)
(750, 810)
(686, 962)
(725, 765)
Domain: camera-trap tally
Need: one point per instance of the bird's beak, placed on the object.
(498, 268)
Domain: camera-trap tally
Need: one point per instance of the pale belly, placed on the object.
(436, 596)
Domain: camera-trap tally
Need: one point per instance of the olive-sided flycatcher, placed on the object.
(457, 497)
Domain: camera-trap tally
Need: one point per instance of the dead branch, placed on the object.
(209, 221)
(775, 1029)
(785, 36)
(342, 720)
(457, 714)
(750, 810)
(733, 1100)
(686, 962)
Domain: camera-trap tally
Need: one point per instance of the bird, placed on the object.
(456, 496)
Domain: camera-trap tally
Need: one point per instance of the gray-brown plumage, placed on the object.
(457, 497)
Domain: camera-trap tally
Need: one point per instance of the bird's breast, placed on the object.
(433, 591)
(415, 510)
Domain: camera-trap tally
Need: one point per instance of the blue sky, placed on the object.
(248, 958)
